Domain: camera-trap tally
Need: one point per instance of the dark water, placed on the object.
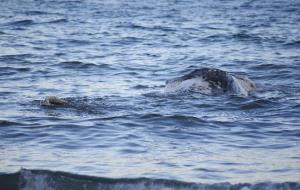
(111, 59)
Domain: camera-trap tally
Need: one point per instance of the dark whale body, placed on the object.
(205, 80)
(212, 81)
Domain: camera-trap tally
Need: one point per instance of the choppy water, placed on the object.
(111, 60)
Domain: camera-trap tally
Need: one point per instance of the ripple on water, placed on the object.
(25, 22)
(6, 123)
(256, 104)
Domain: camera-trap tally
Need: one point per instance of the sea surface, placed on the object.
(110, 59)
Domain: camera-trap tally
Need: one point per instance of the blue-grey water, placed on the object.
(111, 59)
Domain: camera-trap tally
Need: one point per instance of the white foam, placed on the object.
(198, 84)
(33, 181)
(242, 86)
(245, 188)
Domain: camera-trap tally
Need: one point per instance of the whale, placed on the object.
(211, 81)
(207, 81)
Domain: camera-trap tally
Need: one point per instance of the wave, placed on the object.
(17, 69)
(77, 42)
(5, 58)
(75, 64)
(241, 36)
(82, 65)
(8, 70)
(62, 20)
(295, 43)
(255, 104)
(149, 28)
(5, 123)
(25, 22)
(29, 22)
(128, 41)
(36, 12)
(171, 119)
(45, 179)
(268, 66)
(139, 86)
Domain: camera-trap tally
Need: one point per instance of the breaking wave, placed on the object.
(44, 179)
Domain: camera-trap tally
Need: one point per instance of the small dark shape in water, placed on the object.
(53, 101)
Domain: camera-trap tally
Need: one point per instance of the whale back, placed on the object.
(211, 81)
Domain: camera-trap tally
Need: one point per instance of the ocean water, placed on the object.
(110, 59)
